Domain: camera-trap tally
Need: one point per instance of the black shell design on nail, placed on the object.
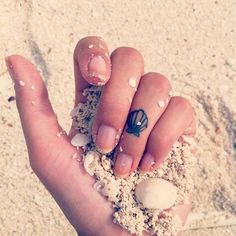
(137, 121)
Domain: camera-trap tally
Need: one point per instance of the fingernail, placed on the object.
(148, 162)
(106, 137)
(97, 69)
(123, 164)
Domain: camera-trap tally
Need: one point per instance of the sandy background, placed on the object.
(191, 42)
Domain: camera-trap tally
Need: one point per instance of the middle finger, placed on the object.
(117, 94)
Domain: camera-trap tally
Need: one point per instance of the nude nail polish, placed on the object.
(148, 162)
(106, 138)
(97, 68)
(123, 164)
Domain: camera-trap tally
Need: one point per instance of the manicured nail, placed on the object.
(148, 162)
(106, 137)
(123, 164)
(97, 69)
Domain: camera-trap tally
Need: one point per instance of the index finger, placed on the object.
(92, 64)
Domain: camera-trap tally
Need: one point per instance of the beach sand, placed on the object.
(191, 42)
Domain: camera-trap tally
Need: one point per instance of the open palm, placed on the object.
(51, 154)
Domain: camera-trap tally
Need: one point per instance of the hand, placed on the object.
(50, 155)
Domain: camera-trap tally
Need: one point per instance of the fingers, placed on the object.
(92, 63)
(37, 117)
(117, 94)
(148, 105)
(177, 117)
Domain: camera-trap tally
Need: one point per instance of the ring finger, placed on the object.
(177, 118)
(149, 103)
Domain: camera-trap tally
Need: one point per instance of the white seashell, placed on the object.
(80, 140)
(89, 162)
(156, 193)
(98, 186)
(161, 103)
(22, 83)
(133, 82)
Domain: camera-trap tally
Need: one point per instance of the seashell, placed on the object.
(133, 82)
(137, 121)
(188, 140)
(156, 193)
(80, 140)
(89, 162)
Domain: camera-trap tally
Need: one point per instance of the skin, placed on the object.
(50, 155)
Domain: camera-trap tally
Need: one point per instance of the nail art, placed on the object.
(137, 121)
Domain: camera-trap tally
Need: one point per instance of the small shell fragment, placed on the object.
(101, 46)
(80, 140)
(22, 83)
(132, 82)
(90, 46)
(188, 129)
(89, 162)
(98, 185)
(161, 103)
(189, 140)
(74, 156)
(156, 193)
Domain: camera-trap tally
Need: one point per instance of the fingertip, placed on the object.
(18, 66)
(123, 165)
(147, 162)
(10, 61)
(92, 57)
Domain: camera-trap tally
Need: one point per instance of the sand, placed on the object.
(191, 42)
(178, 170)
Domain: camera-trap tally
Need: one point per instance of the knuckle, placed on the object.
(163, 142)
(159, 145)
(129, 52)
(156, 81)
(182, 103)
